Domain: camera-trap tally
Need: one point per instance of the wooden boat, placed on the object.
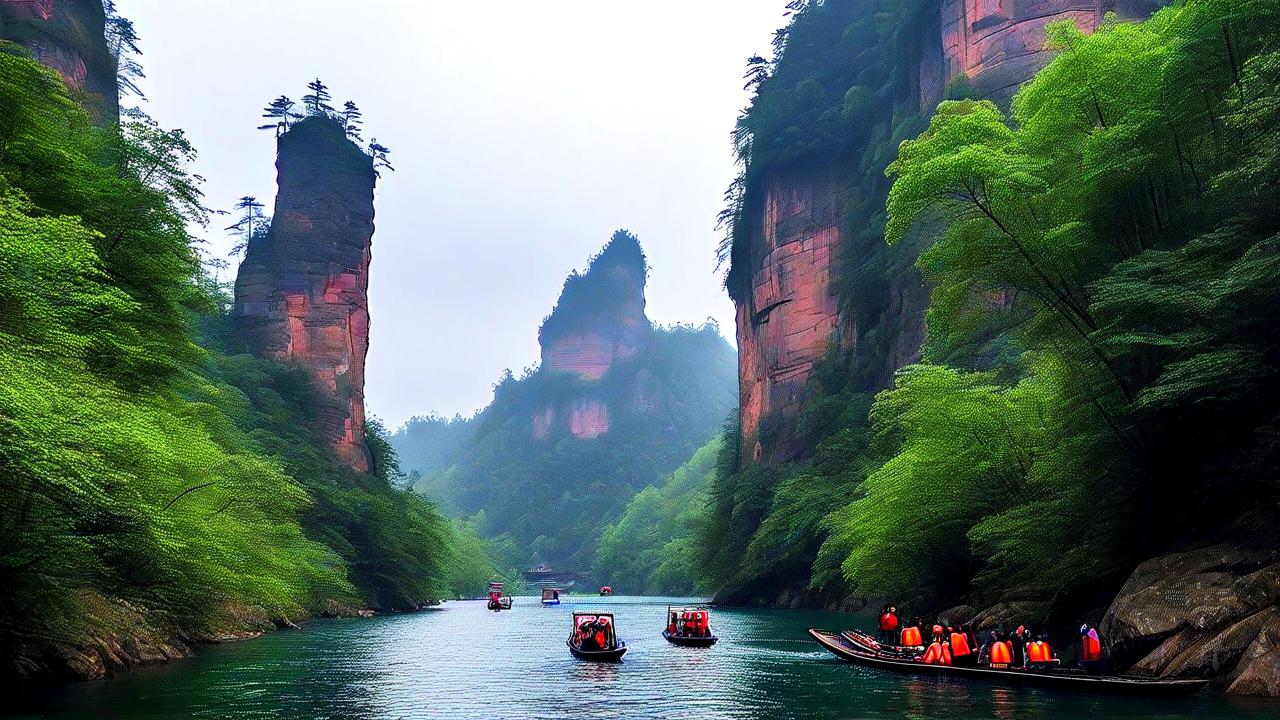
(550, 597)
(689, 627)
(498, 601)
(842, 648)
(593, 637)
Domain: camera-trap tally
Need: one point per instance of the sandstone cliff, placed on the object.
(614, 405)
(68, 36)
(799, 236)
(302, 290)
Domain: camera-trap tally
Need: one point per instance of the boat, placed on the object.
(606, 591)
(856, 653)
(550, 596)
(594, 637)
(497, 601)
(689, 627)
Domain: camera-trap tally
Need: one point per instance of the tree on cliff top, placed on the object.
(317, 102)
(252, 222)
(280, 110)
(352, 119)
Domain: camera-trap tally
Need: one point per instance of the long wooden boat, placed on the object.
(614, 655)
(690, 640)
(1063, 679)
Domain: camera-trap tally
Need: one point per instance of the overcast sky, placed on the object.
(524, 132)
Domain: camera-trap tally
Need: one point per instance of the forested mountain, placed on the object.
(158, 491)
(1095, 387)
(615, 404)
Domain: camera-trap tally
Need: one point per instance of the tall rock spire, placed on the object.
(68, 36)
(302, 290)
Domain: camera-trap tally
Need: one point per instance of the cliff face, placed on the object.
(598, 322)
(798, 240)
(302, 290)
(68, 36)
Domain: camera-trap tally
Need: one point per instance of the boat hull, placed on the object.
(614, 655)
(1115, 685)
(697, 642)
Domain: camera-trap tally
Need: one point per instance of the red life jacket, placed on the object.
(1001, 653)
(911, 637)
(1091, 649)
(937, 654)
(959, 645)
(1038, 651)
(888, 622)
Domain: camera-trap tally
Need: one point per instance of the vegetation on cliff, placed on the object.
(549, 487)
(156, 489)
(1118, 232)
(1098, 380)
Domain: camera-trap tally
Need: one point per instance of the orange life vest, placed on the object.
(1038, 651)
(937, 654)
(1001, 653)
(1091, 649)
(959, 645)
(888, 622)
(911, 637)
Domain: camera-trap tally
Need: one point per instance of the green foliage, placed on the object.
(650, 549)
(1119, 232)
(152, 487)
(610, 282)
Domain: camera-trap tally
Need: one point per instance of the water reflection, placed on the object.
(464, 662)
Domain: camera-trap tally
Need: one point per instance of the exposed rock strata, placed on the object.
(69, 37)
(1213, 612)
(302, 290)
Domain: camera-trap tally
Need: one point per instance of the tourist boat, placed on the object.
(498, 601)
(859, 654)
(550, 596)
(689, 627)
(594, 637)
(606, 591)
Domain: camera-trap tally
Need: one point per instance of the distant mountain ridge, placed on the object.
(615, 405)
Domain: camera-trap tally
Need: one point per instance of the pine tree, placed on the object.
(317, 103)
(379, 153)
(351, 119)
(280, 110)
(252, 221)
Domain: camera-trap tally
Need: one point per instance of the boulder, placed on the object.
(1210, 612)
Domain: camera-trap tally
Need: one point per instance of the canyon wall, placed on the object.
(598, 322)
(798, 240)
(68, 36)
(302, 290)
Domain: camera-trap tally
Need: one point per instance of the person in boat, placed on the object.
(911, 636)
(1090, 650)
(1018, 647)
(961, 650)
(888, 625)
(1001, 654)
(1039, 654)
(938, 653)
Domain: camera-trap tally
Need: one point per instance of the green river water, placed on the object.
(461, 661)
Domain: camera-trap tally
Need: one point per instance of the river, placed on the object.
(461, 661)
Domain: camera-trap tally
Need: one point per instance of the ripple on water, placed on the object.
(463, 661)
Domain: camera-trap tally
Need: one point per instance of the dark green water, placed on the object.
(462, 661)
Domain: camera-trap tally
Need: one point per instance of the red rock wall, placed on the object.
(302, 291)
(792, 312)
(999, 44)
(69, 37)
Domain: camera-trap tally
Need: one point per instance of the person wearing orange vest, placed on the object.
(888, 625)
(939, 653)
(1039, 654)
(1090, 650)
(961, 653)
(911, 636)
(1001, 653)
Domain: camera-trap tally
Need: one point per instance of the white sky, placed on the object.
(524, 133)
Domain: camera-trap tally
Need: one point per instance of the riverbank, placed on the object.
(442, 663)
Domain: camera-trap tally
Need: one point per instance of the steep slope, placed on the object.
(302, 290)
(615, 404)
(70, 37)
